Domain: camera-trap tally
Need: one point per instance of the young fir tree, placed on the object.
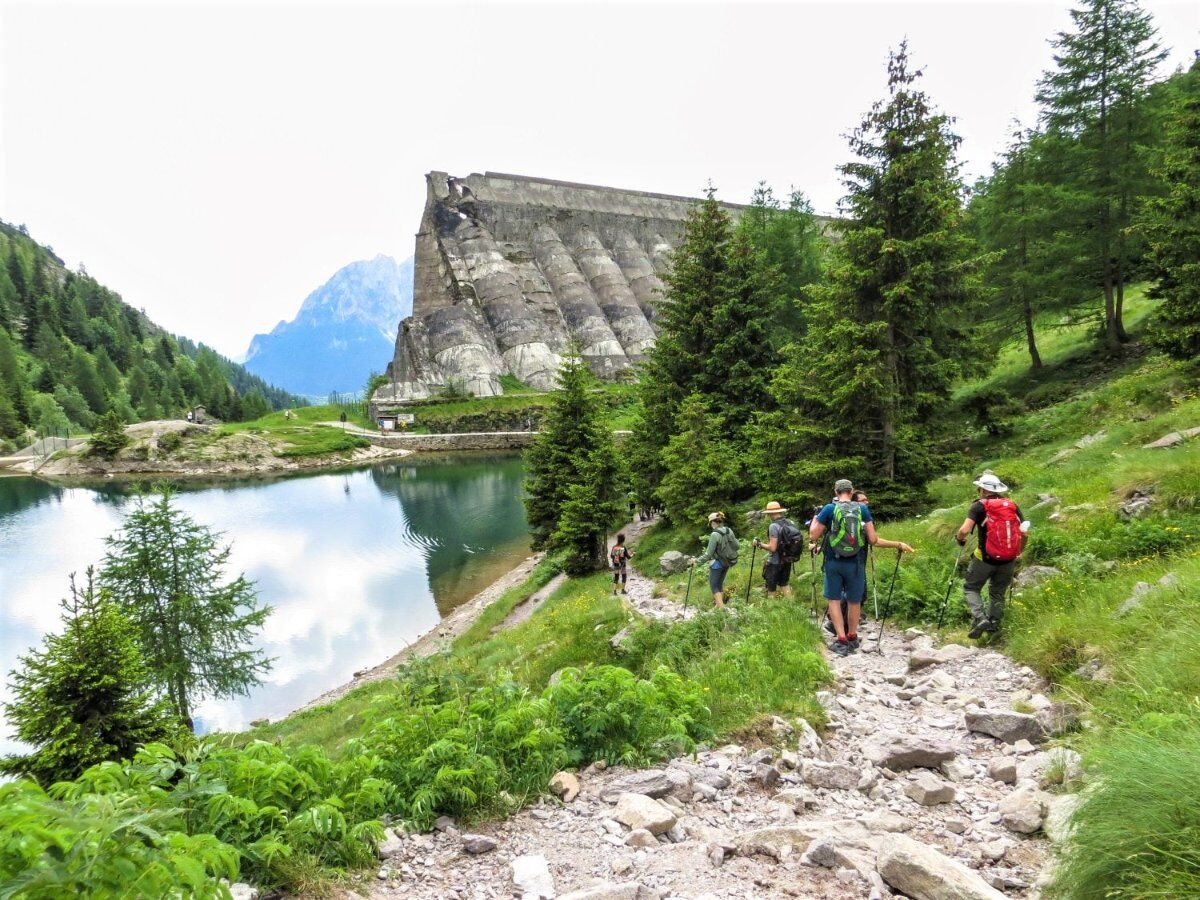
(166, 571)
(109, 438)
(594, 504)
(863, 393)
(704, 468)
(1093, 102)
(1171, 224)
(86, 696)
(571, 428)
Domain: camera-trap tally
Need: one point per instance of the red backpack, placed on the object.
(1003, 529)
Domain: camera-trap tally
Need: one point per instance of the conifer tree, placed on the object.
(109, 438)
(704, 471)
(593, 505)
(1092, 102)
(85, 697)
(1171, 223)
(862, 394)
(166, 572)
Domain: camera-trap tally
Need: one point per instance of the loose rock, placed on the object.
(565, 785)
(531, 877)
(905, 751)
(924, 873)
(639, 811)
(1005, 725)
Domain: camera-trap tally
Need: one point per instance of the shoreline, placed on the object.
(442, 634)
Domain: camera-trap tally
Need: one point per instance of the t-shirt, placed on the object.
(978, 514)
(773, 531)
(825, 517)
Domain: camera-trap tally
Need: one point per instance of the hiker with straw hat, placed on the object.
(1002, 531)
(721, 555)
(784, 545)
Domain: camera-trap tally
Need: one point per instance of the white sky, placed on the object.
(215, 162)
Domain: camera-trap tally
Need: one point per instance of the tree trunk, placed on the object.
(1110, 314)
(1035, 358)
(1122, 334)
(888, 408)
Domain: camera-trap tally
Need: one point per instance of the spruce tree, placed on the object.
(704, 468)
(109, 437)
(864, 392)
(1093, 102)
(594, 503)
(571, 428)
(1171, 224)
(197, 630)
(85, 697)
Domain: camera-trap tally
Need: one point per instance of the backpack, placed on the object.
(727, 547)
(618, 555)
(846, 531)
(1004, 537)
(789, 543)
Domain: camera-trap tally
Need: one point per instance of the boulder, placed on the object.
(639, 811)
(1031, 576)
(391, 844)
(651, 782)
(1136, 507)
(886, 821)
(929, 790)
(994, 850)
(630, 890)
(1024, 810)
(673, 562)
(640, 837)
(781, 841)
(1005, 725)
(565, 785)
(1133, 601)
(922, 659)
(924, 873)
(1003, 769)
(830, 775)
(531, 877)
(1167, 440)
(958, 769)
(1059, 810)
(899, 752)
(478, 843)
(702, 774)
(1170, 581)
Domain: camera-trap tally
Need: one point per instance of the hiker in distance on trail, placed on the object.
(1002, 531)
(619, 556)
(844, 529)
(721, 555)
(784, 546)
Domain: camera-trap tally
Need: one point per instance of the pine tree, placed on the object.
(862, 394)
(85, 696)
(87, 381)
(166, 572)
(704, 469)
(110, 375)
(1092, 100)
(109, 438)
(593, 505)
(13, 381)
(572, 426)
(1171, 223)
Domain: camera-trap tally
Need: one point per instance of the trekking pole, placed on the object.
(750, 577)
(812, 602)
(887, 604)
(949, 585)
(874, 580)
(688, 592)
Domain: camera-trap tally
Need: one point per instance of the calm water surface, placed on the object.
(355, 564)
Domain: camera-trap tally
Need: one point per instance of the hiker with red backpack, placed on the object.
(845, 529)
(618, 558)
(1002, 531)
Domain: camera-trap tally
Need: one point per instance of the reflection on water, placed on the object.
(355, 564)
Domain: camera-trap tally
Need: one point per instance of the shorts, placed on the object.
(845, 579)
(621, 575)
(716, 578)
(777, 575)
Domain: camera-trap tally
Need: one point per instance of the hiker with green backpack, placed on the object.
(721, 555)
(845, 529)
(784, 546)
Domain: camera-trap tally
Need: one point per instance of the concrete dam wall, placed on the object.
(510, 270)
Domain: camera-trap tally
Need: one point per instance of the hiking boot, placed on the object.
(978, 628)
(623, 591)
(991, 627)
(840, 647)
(853, 642)
(829, 626)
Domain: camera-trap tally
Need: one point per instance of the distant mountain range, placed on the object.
(344, 331)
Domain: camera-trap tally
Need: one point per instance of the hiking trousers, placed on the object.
(997, 577)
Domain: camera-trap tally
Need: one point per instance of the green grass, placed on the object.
(303, 434)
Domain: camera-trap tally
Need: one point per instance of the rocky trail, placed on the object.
(927, 784)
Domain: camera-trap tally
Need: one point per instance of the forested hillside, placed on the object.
(71, 350)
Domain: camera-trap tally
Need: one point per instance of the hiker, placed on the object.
(723, 552)
(1002, 531)
(784, 546)
(840, 528)
(619, 557)
(858, 496)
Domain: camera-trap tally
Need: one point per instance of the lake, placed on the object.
(355, 564)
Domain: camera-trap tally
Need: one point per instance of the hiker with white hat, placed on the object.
(721, 555)
(784, 546)
(844, 529)
(1002, 531)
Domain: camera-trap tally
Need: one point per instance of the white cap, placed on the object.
(989, 482)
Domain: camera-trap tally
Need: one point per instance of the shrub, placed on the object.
(109, 438)
(170, 441)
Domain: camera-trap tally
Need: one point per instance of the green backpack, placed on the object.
(727, 547)
(846, 532)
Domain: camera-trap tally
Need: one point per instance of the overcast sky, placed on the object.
(215, 162)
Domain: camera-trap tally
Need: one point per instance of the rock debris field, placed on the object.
(928, 784)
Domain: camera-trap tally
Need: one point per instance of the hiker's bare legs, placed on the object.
(835, 614)
(719, 599)
(786, 590)
(855, 615)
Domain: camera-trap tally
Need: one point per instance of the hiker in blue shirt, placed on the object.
(845, 528)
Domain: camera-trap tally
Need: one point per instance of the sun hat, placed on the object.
(712, 517)
(842, 485)
(774, 507)
(989, 482)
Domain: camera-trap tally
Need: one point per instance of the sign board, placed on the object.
(406, 418)
(387, 423)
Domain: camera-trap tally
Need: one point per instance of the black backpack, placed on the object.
(789, 542)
